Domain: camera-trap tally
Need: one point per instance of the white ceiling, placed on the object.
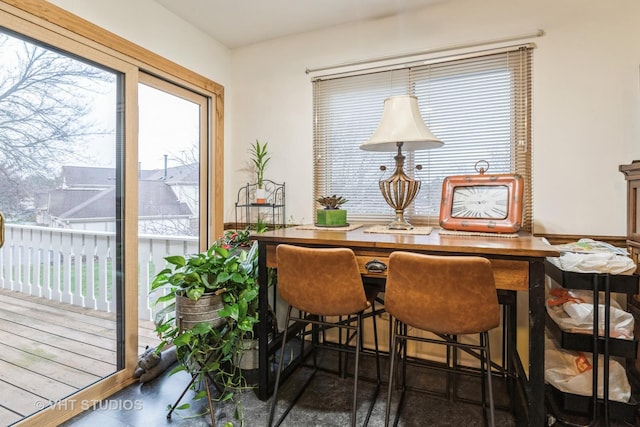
(236, 23)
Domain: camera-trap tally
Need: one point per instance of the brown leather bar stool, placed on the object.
(320, 283)
(445, 295)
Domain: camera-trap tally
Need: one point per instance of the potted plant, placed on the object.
(260, 157)
(331, 215)
(210, 344)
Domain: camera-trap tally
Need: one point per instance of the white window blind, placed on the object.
(479, 106)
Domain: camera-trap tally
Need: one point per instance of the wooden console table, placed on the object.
(518, 267)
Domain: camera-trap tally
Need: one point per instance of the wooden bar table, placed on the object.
(518, 264)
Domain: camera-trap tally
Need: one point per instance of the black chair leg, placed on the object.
(375, 343)
(277, 383)
(398, 345)
(452, 376)
(392, 366)
(484, 342)
(355, 376)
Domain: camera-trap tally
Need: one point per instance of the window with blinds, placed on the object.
(479, 106)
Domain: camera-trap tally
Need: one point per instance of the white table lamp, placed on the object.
(401, 127)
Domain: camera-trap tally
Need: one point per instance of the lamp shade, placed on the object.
(401, 122)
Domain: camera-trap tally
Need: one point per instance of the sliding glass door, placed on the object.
(172, 182)
(61, 186)
(104, 170)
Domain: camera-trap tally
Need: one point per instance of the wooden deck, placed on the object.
(49, 350)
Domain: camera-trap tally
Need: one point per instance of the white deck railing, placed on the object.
(78, 267)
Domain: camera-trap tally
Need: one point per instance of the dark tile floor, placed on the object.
(327, 402)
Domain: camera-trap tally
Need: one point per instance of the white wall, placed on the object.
(151, 26)
(586, 117)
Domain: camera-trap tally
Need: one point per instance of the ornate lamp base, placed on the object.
(399, 223)
(398, 191)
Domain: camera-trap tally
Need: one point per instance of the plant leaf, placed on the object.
(176, 260)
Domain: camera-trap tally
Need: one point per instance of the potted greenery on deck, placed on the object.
(210, 343)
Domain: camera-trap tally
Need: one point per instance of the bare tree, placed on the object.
(44, 111)
(167, 226)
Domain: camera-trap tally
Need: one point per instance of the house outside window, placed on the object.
(479, 105)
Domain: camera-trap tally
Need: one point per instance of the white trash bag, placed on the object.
(592, 256)
(594, 263)
(571, 372)
(572, 310)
